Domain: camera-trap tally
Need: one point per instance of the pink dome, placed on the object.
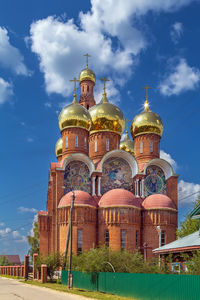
(81, 198)
(119, 197)
(158, 201)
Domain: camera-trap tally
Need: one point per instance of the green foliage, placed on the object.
(53, 262)
(34, 240)
(4, 261)
(193, 264)
(189, 225)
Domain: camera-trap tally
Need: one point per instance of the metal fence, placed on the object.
(139, 286)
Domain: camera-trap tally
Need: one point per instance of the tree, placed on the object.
(34, 240)
(4, 261)
(189, 225)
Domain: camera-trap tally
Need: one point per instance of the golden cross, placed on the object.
(75, 80)
(104, 79)
(87, 55)
(126, 121)
(146, 87)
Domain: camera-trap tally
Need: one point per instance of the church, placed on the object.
(125, 195)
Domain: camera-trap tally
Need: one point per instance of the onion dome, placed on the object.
(158, 201)
(87, 74)
(58, 147)
(81, 199)
(106, 117)
(146, 122)
(127, 145)
(119, 197)
(74, 115)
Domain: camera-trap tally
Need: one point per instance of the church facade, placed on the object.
(125, 194)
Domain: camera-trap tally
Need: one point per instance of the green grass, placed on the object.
(9, 276)
(80, 292)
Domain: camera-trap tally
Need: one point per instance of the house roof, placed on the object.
(189, 242)
(14, 259)
(195, 214)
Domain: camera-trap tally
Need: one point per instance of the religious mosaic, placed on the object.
(77, 177)
(116, 174)
(155, 182)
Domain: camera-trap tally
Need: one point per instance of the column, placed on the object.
(99, 186)
(93, 186)
(26, 266)
(142, 188)
(44, 273)
(137, 188)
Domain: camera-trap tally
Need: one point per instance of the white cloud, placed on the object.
(4, 232)
(113, 94)
(168, 158)
(186, 189)
(48, 104)
(182, 78)
(176, 32)
(2, 224)
(6, 90)
(35, 219)
(108, 32)
(23, 209)
(30, 140)
(10, 57)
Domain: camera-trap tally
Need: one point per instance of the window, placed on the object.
(95, 146)
(123, 239)
(85, 143)
(106, 239)
(136, 239)
(141, 147)
(88, 88)
(76, 141)
(151, 147)
(176, 267)
(80, 241)
(107, 144)
(66, 141)
(162, 238)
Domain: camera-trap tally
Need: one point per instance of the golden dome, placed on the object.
(58, 147)
(87, 74)
(74, 115)
(146, 122)
(106, 117)
(127, 145)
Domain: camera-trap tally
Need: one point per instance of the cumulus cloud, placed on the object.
(186, 189)
(35, 219)
(176, 32)
(4, 232)
(108, 31)
(10, 56)
(181, 78)
(167, 157)
(6, 90)
(23, 209)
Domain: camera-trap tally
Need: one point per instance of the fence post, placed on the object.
(26, 266)
(35, 255)
(44, 273)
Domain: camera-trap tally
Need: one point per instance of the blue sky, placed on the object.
(133, 43)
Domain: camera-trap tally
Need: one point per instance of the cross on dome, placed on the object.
(104, 79)
(75, 80)
(87, 56)
(146, 104)
(126, 122)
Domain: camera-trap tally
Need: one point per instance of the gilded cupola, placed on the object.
(127, 145)
(87, 74)
(106, 116)
(74, 115)
(146, 122)
(58, 147)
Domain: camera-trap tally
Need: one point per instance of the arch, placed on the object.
(121, 154)
(81, 157)
(163, 164)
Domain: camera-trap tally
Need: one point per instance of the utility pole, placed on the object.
(70, 253)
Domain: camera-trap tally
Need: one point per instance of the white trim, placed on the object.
(78, 156)
(121, 154)
(93, 186)
(163, 164)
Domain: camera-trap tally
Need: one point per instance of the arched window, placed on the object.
(85, 143)
(106, 239)
(95, 146)
(151, 147)
(141, 147)
(88, 88)
(162, 238)
(107, 144)
(66, 142)
(76, 141)
(123, 239)
(79, 241)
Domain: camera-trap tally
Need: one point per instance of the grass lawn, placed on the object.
(80, 292)
(9, 276)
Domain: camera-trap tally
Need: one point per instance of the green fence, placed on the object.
(139, 286)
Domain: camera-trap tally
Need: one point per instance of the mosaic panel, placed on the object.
(116, 174)
(77, 177)
(155, 182)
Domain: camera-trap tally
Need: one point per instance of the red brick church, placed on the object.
(125, 194)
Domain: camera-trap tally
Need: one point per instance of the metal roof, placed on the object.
(190, 240)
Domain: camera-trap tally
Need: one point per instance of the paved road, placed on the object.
(14, 290)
